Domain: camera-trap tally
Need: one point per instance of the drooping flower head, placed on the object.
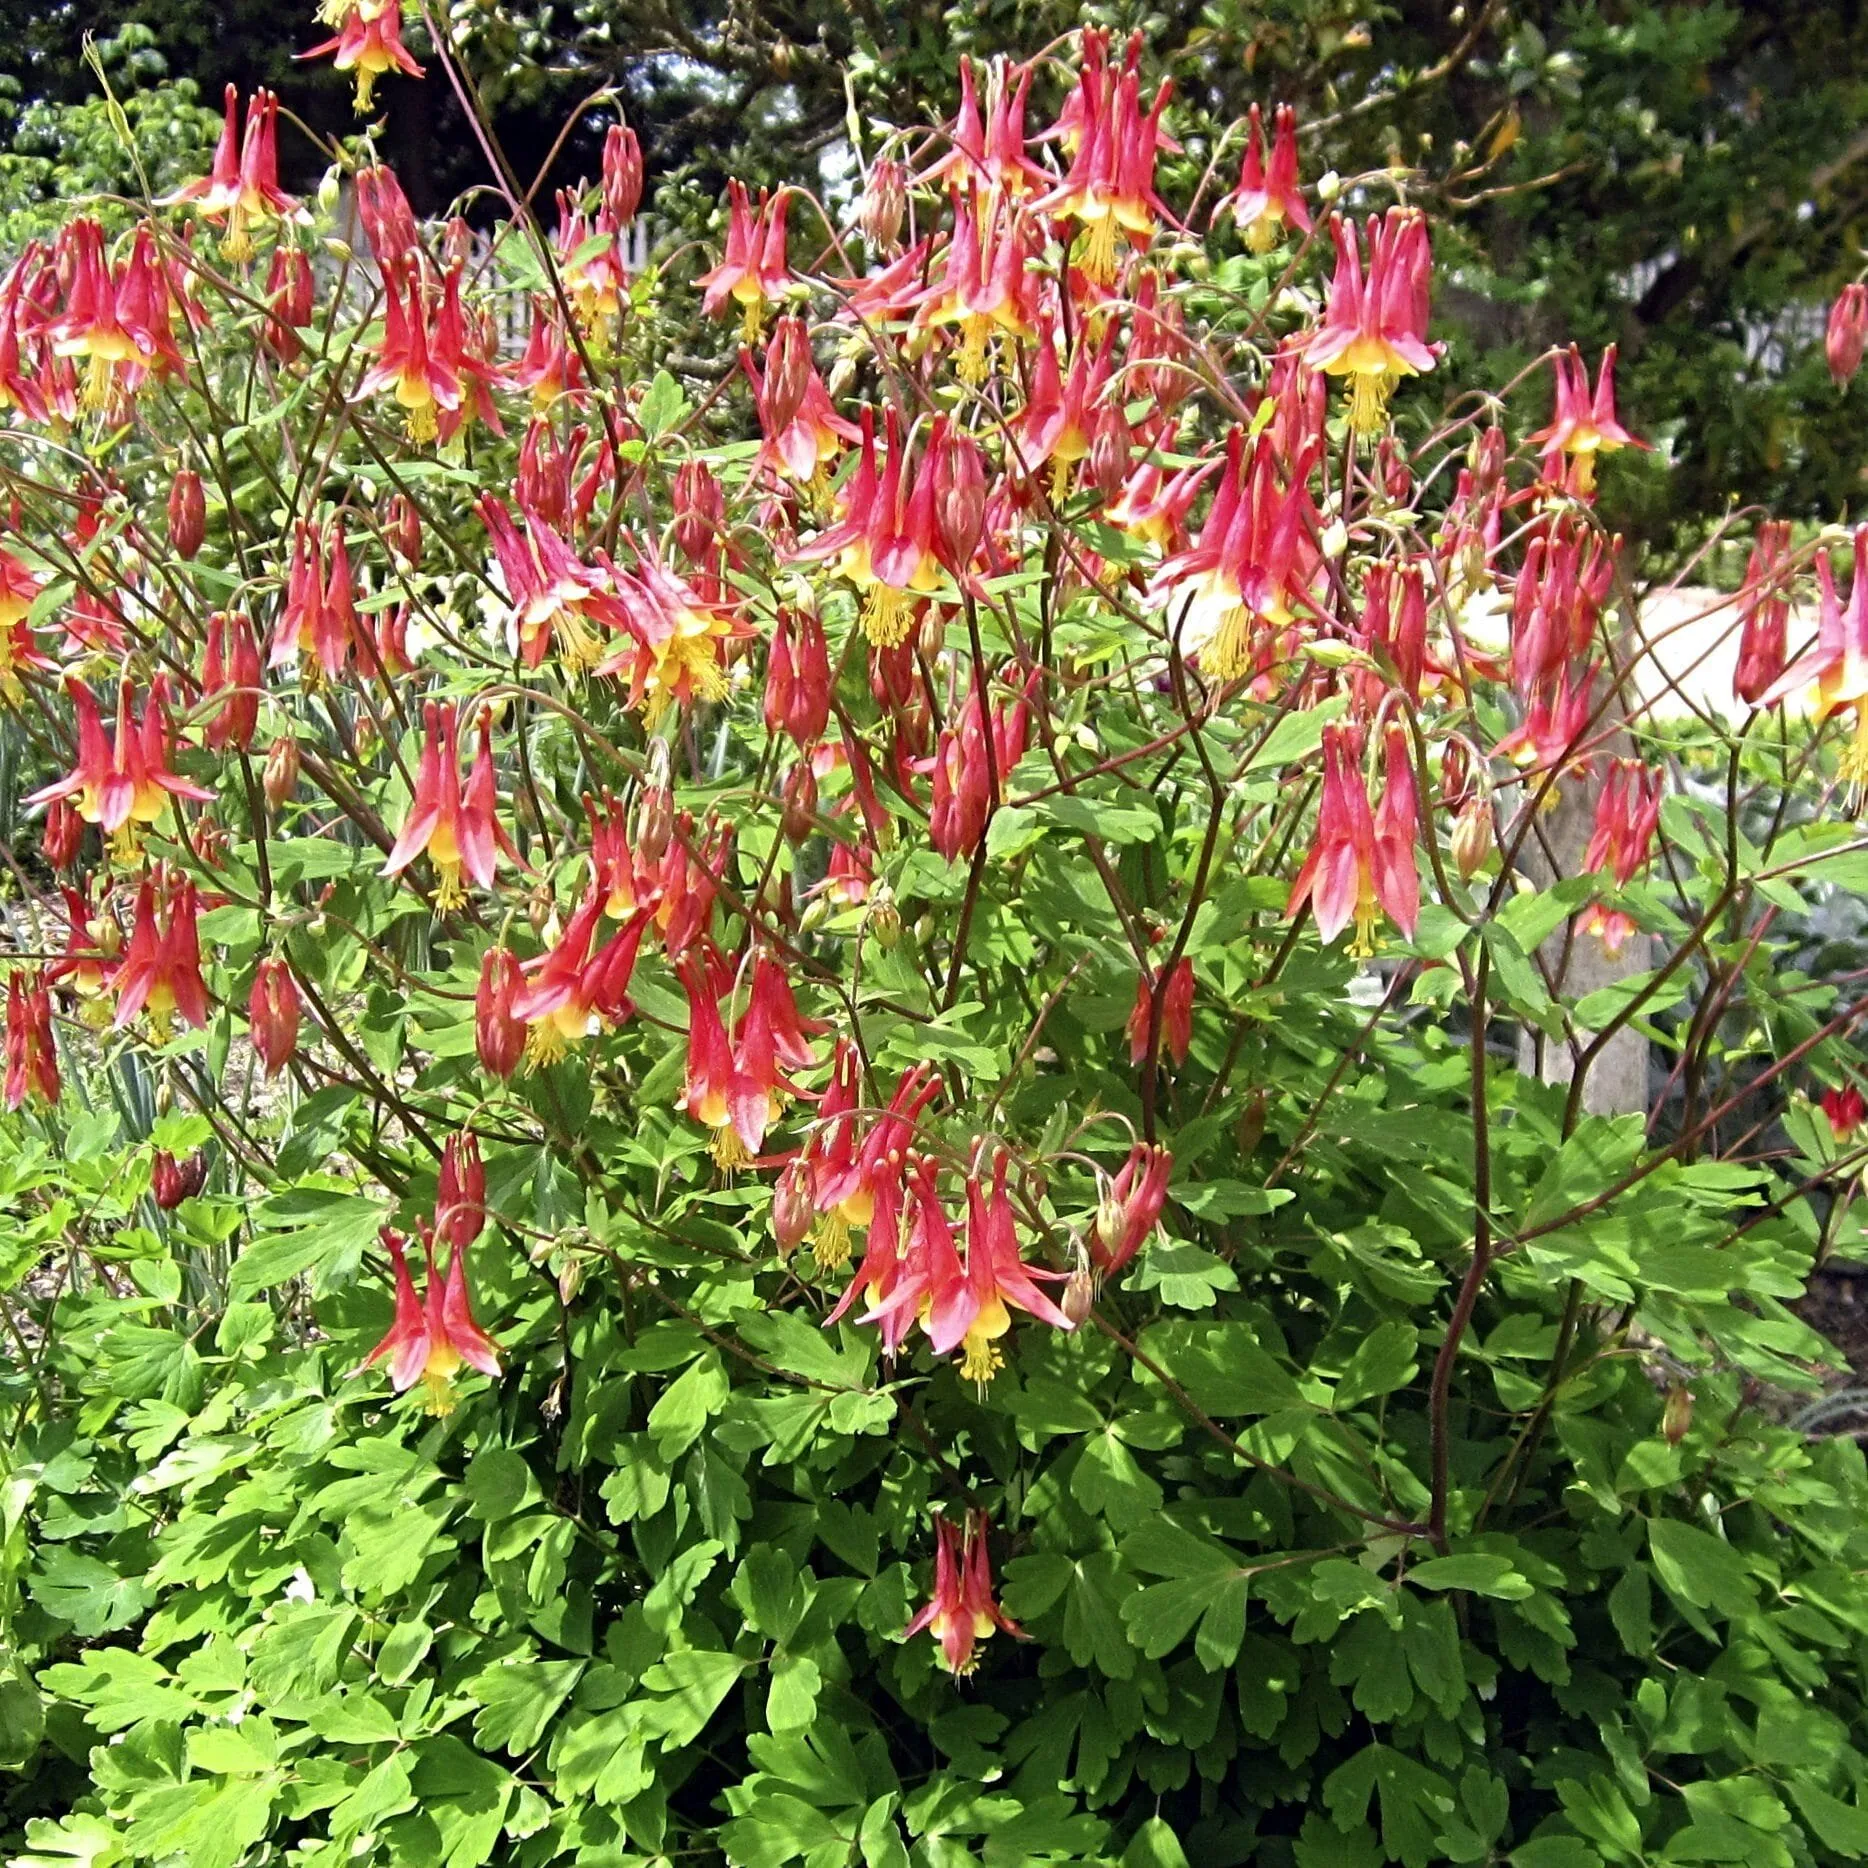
(1584, 426)
(962, 1612)
(1265, 202)
(433, 1338)
(1374, 328)
(368, 41)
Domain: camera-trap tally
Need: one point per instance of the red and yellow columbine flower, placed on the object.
(1374, 328)
(1176, 995)
(459, 833)
(677, 639)
(1130, 1208)
(19, 590)
(425, 381)
(969, 1311)
(1110, 189)
(118, 321)
(368, 41)
(31, 1053)
(242, 187)
(802, 432)
(962, 1612)
(573, 989)
(989, 287)
(1358, 867)
(554, 595)
(1584, 426)
(858, 1175)
(1264, 203)
(1055, 423)
(738, 1089)
(1627, 816)
(988, 153)
(1227, 599)
(753, 271)
(432, 1341)
(1838, 664)
(122, 780)
(885, 540)
(160, 971)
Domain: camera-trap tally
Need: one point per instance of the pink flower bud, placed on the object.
(884, 204)
(273, 1013)
(793, 1210)
(402, 524)
(622, 175)
(188, 513)
(460, 1193)
(789, 367)
(800, 799)
(63, 832)
(280, 778)
(1847, 335)
(959, 495)
(499, 1036)
(700, 508)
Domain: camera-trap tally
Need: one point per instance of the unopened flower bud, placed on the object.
(172, 1181)
(655, 823)
(1489, 461)
(402, 525)
(959, 497)
(1847, 335)
(273, 1014)
(800, 799)
(460, 1192)
(1472, 836)
(1109, 451)
(788, 370)
(1251, 1129)
(1079, 1294)
(280, 778)
(1392, 472)
(59, 840)
(570, 1279)
(793, 1209)
(884, 204)
(699, 506)
(1677, 1415)
(499, 1037)
(188, 513)
(622, 175)
(884, 918)
(1455, 774)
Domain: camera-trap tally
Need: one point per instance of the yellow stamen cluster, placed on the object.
(980, 1361)
(887, 616)
(729, 1152)
(545, 1044)
(830, 1242)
